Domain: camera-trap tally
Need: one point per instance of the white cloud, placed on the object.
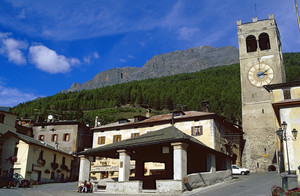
(123, 60)
(12, 96)
(187, 33)
(91, 57)
(49, 61)
(12, 49)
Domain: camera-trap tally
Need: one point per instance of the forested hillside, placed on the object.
(219, 85)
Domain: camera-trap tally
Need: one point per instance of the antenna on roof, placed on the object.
(255, 10)
(173, 119)
(297, 14)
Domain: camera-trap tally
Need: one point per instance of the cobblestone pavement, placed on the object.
(253, 184)
(61, 189)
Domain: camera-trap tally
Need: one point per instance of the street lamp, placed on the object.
(281, 132)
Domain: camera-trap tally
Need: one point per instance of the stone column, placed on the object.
(84, 169)
(179, 160)
(124, 166)
(211, 163)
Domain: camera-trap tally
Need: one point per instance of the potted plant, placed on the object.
(12, 159)
(41, 162)
(64, 167)
(54, 165)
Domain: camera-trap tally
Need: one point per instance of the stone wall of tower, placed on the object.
(259, 123)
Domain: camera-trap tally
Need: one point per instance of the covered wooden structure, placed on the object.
(181, 154)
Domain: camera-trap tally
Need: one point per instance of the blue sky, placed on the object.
(45, 46)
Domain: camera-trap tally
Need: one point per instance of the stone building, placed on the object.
(7, 122)
(261, 64)
(33, 159)
(209, 128)
(68, 136)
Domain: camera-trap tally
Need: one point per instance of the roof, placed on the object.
(166, 135)
(164, 118)
(31, 140)
(167, 119)
(4, 108)
(282, 85)
(1, 111)
(58, 123)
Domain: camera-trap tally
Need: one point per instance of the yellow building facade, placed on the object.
(285, 99)
(34, 160)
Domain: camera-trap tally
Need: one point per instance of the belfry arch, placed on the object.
(264, 41)
(251, 43)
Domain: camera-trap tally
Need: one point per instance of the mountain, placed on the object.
(181, 61)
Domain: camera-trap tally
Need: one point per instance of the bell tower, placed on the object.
(261, 64)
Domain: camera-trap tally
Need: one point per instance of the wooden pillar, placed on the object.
(139, 169)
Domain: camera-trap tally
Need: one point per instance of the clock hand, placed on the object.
(262, 74)
(265, 70)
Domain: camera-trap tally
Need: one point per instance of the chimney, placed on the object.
(97, 122)
(148, 113)
(205, 106)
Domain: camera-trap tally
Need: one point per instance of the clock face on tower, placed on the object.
(260, 74)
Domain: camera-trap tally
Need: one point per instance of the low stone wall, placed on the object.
(208, 178)
(124, 187)
(169, 186)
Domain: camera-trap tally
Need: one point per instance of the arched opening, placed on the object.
(251, 43)
(264, 41)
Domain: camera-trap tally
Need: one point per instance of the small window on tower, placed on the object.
(251, 43)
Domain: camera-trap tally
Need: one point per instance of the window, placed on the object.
(101, 140)
(251, 43)
(66, 137)
(41, 137)
(134, 135)
(178, 113)
(54, 138)
(5, 172)
(197, 130)
(54, 158)
(286, 94)
(264, 42)
(122, 121)
(117, 138)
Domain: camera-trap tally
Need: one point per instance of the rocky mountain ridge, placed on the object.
(181, 61)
